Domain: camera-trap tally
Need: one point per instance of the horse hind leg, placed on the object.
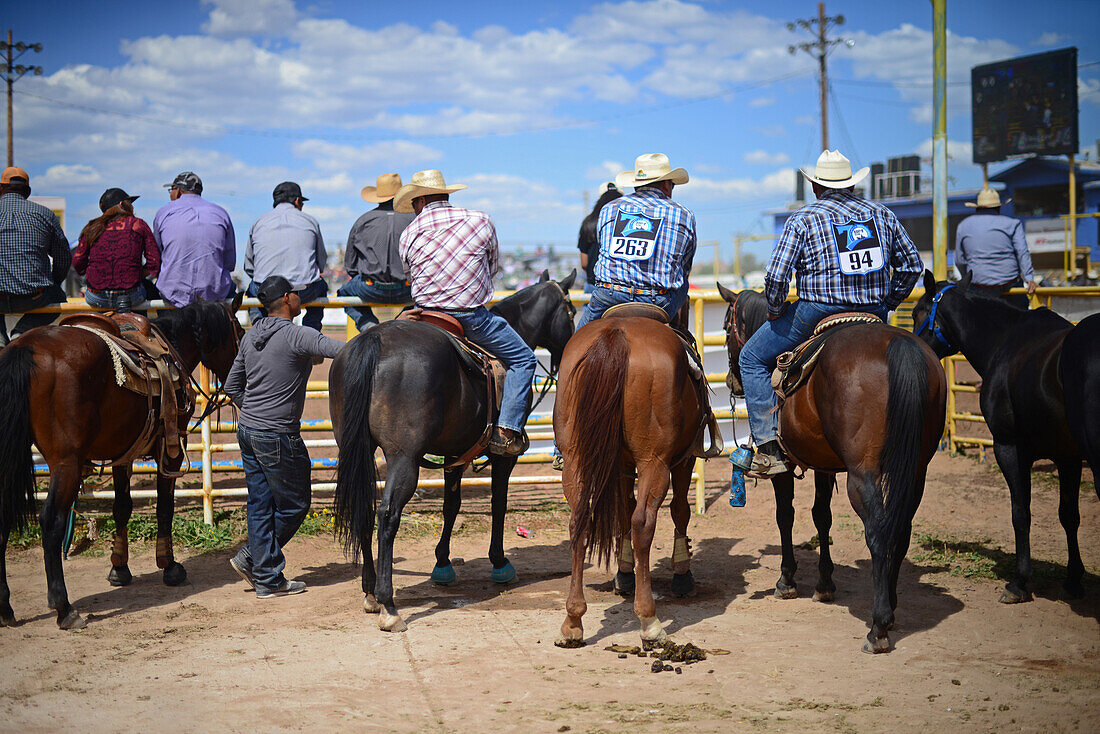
(572, 630)
(783, 486)
(444, 573)
(683, 582)
(401, 477)
(1069, 514)
(823, 521)
(1017, 472)
(653, 482)
(53, 518)
(7, 614)
(864, 493)
(174, 573)
(120, 546)
(625, 581)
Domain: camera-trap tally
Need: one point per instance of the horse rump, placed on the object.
(1079, 366)
(16, 467)
(595, 401)
(356, 476)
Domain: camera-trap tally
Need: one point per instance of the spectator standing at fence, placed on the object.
(268, 383)
(588, 240)
(373, 257)
(286, 241)
(992, 246)
(34, 256)
(116, 250)
(197, 245)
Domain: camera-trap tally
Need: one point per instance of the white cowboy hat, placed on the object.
(385, 189)
(834, 171)
(423, 183)
(651, 168)
(987, 199)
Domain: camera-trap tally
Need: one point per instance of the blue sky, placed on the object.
(531, 104)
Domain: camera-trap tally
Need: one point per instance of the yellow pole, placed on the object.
(1071, 241)
(207, 455)
(939, 139)
(700, 464)
(737, 239)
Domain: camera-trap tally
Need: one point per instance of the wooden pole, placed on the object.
(822, 50)
(10, 80)
(939, 139)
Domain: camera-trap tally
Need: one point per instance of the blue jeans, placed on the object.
(488, 330)
(758, 356)
(117, 300)
(16, 321)
(396, 293)
(276, 470)
(604, 298)
(313, 291)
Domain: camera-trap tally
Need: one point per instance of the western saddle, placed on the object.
(145, 364)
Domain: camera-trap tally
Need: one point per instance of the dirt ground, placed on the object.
(480, 657)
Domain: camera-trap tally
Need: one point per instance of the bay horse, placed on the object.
(1037, 371)
(874, 407)
(403, 386)
(626, 404)
(57, 384)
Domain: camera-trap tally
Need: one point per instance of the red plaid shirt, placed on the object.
(450, 256)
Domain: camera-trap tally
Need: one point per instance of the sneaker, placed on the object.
(244, 570)
(507, 442)
(769, 461)
(287, 588)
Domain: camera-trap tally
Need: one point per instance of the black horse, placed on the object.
(402, 386)
(1031, 371)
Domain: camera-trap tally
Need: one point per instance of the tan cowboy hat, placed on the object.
(834, 171)
(651, 168)
(386, 188)
(423, 183)
(987, 199)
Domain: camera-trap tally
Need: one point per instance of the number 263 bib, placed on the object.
(858, 248)
(634, 236)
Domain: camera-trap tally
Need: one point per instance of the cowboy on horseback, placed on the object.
(850, 254)
(450, 256)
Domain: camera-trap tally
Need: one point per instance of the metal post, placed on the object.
(700, 464)
(737, 255)
(1071, 241)
(985, 175)
(207, 455)
(823, 76)
(10, 80)
(939, 139)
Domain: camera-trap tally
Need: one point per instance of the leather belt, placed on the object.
(633, 291)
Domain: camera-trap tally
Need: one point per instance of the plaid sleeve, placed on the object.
(777, 279)
(906, 264)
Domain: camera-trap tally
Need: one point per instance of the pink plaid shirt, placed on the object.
(450, 256)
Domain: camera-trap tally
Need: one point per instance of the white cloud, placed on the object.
(1050, 39)
(606, 171)
(766, 158)
(507, 197)
(76, 176)
(388, 154)
(249, 17)
(958, 151)
(704, 189)
(762, 102)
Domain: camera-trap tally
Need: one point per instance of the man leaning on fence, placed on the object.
(34, 257)
(268, 382)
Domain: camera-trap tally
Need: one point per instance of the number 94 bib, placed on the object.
(858, 248)
(634, 236)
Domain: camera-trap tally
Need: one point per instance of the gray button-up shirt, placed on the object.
(286, 242)
(993, 247)
(373, 245)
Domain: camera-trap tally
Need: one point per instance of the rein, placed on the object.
(930, 321)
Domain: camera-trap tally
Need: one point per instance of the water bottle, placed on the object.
(741, 459)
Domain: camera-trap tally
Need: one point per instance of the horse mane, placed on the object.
(204, 322)
(753, 307)
(588, 235)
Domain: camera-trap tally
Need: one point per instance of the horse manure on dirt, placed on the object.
(663, 653)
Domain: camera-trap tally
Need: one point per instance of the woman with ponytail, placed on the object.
(116, 251)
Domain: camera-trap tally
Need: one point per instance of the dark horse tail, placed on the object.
(356, 478)
(596, 386)
(16, 467)
(901, 462)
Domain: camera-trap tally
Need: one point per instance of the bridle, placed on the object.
(217, 398)
(552, 374)
(930, 322)
(732, 326)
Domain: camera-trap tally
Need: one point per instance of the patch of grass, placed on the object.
(961, 558)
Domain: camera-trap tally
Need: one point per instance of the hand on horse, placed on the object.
(409, 314)
(782, 310)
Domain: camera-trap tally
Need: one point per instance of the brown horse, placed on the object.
(873, 407)
(626, 404)
(58, 387)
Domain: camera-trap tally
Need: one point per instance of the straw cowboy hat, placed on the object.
(987, 199)
(651, 168)
(385, 189)
(834, 171)
(423, 183)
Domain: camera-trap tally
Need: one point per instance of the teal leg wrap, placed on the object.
(504, 574)
(443, 575)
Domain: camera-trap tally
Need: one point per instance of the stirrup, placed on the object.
(766, 465)
(502, 446)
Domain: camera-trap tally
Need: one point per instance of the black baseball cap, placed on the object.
(287, 191)
(186, 181)
(113, 197)
(273, 288)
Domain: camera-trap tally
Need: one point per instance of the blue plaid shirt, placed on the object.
(846, 251)
(646, 241)
(34, 253)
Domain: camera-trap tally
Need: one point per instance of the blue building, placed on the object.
(1039, 189)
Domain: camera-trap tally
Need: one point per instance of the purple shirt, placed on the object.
(198, 250)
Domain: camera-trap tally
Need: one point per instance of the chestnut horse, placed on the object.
(874, 407)
(58, 387)
(625, 403)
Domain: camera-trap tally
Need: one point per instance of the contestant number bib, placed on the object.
(858, 248)
(634, 236)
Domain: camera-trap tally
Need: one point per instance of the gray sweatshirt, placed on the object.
(268, 378)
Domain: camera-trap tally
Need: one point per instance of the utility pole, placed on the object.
(12, 74)
(939, 139)
(819, 49)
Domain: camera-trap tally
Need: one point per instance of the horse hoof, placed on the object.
(823, 596)
(371, 605)
(504, 574)
(1011, 596)
(7, 618)
(72, 621)
(786, 592)
(569, 643)
(683, 584)
(624, 583)
(391, 622)
(652, 630)
(120, 576)
(175, 574)
(443, 575)
(876, 646)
